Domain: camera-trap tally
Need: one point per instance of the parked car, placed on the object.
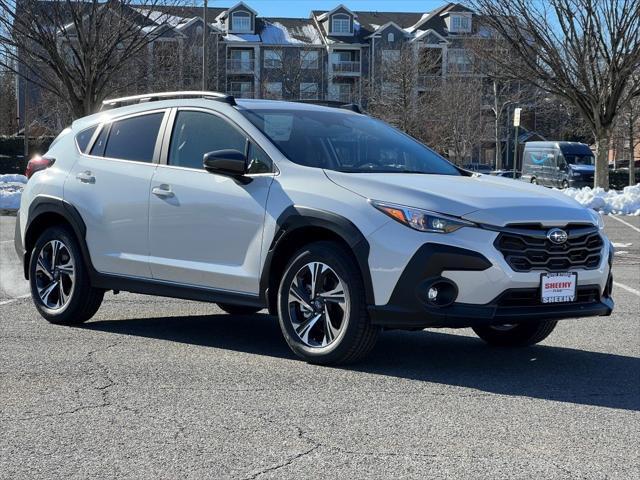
(336, 222)
(478, 168)
(506, 173)
(558, 164)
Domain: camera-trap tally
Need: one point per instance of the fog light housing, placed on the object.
(440, 292)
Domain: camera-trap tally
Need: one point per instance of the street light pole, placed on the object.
(205, 53)
(516, 123)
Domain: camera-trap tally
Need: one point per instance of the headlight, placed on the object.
(422, 220)
(597, 219)
(576, 174)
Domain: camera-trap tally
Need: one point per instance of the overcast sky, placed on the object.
(301, 8)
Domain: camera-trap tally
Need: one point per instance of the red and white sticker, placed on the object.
(558, 287)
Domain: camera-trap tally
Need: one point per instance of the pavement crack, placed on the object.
(286, 463)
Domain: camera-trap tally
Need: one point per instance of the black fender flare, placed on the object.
(296, 217)
(44, 204)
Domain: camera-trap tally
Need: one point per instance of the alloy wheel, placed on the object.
(55, 275)
(318, 305)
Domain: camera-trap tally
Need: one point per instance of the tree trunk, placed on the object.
(601, 178)
(632, 163)
(497, 126)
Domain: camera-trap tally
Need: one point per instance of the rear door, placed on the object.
(109, 186)
(206, 229)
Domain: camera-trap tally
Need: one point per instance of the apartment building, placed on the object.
(329, 55)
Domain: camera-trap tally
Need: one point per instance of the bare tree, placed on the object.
(80, 51)
(457, 124)
(584, 51)
(8, 104)
(395, 95)
(292, 68)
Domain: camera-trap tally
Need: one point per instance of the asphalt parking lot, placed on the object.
(161, 388)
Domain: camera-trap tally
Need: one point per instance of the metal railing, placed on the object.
(345, 67)
(240, 65)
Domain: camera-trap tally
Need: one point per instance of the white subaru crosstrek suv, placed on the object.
(336, 222)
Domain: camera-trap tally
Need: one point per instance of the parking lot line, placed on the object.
(628, 289)
(625, 223)
(6, 302)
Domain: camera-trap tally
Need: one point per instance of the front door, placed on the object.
(206, 229)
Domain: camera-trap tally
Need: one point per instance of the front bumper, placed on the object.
(580, 182)
(488, 290)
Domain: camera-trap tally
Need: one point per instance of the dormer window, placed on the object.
(460, 23)
(241, 22)
(340, 24)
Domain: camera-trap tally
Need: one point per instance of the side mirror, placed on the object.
(225, 162)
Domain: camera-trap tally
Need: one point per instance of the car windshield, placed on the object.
(577, 159)
(346, 142)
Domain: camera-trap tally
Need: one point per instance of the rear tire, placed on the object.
(515, 335)
(321, 306)
(534, 181)
(59, 280)
(238, 309)
(565, 184)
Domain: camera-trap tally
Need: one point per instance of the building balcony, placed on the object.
(346, 67)
(343, 97)
(240, 66)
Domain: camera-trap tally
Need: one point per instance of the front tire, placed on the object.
(515, 335)
(59, 279)
(321, 306)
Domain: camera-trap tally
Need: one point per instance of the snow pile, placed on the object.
(11, 186)
(277, 34)
(625, 202)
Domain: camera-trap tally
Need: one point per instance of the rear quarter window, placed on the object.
(84, 137)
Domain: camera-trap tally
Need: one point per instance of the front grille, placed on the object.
(527, 248)
(530, 297)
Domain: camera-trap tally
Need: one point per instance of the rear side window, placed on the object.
(197, 133)
(84, 137)
(134, 138)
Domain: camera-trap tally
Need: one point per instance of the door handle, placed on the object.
(163, 191)
(86, 177)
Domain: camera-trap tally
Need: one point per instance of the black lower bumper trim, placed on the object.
(461, 315)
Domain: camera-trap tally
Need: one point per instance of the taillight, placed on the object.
(38, 163)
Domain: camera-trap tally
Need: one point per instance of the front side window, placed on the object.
(241, 22)
(134, 138)
(197, 133)
(579, 158)
(258, 161)
(345, 142)
(340, 23)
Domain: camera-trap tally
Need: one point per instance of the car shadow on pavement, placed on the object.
(543, 371)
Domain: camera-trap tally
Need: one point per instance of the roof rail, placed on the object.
(354, 107)
(150, 97)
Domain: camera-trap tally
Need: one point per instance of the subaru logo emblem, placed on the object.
(557, 236)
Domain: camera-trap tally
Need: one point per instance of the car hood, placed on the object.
(478, 198)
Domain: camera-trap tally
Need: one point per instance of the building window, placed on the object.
(308, 91)
(390, 88)
(340, 23)
(241, 22)
(309, 59)
(391, 38)
(460, 23)
(390, 56)
(341, 92)
(459, 60)
(241, 89)
(273, 90)
(272, 59)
